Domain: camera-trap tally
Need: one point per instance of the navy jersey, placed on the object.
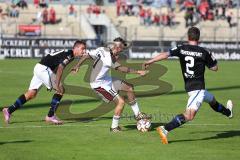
(54, 59)
(193, 60)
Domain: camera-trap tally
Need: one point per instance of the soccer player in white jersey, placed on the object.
(107, 87)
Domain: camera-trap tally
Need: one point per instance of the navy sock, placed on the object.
(218, 107)
(54, 104)
(19, 102)
(176, 122)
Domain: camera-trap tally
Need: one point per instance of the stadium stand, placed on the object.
(126, 21)
(67, 26)
(135, 30)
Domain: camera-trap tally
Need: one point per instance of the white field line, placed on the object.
(92, 125)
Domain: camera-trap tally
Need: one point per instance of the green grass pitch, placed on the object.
(209, 136)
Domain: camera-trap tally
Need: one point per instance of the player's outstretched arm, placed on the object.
(59, 88)
(159, 57)
(77, 66)
(130, 70)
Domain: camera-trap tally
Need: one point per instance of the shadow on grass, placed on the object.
(30, 121)
(92, 118)
(42, 105)
(86, 120)
(69, 120)
(222, 135)
(134, 127)
(15, 142)
(47, 104)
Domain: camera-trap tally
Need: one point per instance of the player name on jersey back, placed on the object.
(190, 53)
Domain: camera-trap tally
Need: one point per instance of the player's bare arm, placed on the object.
(131, 70)
(159, 57)
(75, 69)
(59, 88)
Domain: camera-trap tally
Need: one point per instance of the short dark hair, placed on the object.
(119, 39)
(193, 34)
(79, 42)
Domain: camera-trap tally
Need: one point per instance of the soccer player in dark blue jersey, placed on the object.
(48, 72)
(193, 60)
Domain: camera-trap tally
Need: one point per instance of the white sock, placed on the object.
(135, 109)
(115, 121)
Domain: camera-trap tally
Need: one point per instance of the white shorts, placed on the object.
(197, 97)
(42, 75)
(108, 91)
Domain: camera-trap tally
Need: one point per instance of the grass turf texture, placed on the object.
(209, 136)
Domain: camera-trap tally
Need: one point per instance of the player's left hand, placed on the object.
(142, 72)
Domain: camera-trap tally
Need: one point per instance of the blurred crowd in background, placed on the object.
(195, 10)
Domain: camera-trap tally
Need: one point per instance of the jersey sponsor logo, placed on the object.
(189, 75)
(189, 53)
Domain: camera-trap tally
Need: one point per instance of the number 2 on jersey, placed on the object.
(189, 64)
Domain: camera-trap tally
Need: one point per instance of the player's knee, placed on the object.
(130, 88)
(191, 118)
(31, 94)
(121, 101)
(188, 117)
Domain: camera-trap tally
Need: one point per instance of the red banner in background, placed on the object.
(29, 30)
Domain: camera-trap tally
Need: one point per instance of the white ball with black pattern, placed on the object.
(144, 125)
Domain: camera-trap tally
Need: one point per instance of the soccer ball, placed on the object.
(144, 125)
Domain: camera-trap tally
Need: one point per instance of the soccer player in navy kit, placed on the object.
(193, 60)
(48, 72)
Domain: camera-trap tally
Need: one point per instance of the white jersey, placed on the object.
(103, 61)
